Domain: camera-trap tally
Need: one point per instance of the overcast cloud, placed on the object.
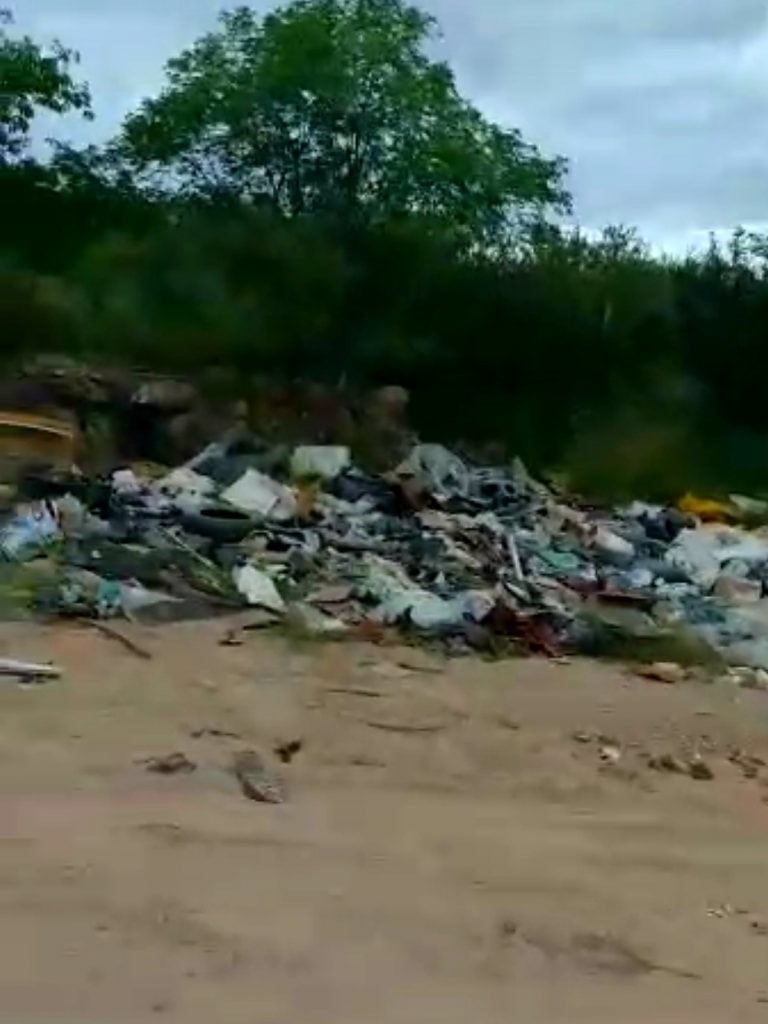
(660, 105)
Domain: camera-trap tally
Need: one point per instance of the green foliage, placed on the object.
(333, 106)
(32, 78)
(310, 198)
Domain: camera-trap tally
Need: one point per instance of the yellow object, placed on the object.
(26, 438)
(707, 509)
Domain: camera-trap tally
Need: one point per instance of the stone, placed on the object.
(699, 769)
(663, 672)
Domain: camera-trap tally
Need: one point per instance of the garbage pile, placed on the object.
(441, 549)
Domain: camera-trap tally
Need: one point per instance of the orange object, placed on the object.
(707, 509)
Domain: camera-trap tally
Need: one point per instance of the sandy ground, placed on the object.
(483, 865)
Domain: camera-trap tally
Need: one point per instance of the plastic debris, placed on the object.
(31, 531)
(188, 490)
(28, 670)
(706, 509)
(323, 462)
(311, 622)
(443, 472)
(257, 781)
(259, 494)
(464, 555)
(257, 588)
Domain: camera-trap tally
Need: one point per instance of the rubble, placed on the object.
(460, 555)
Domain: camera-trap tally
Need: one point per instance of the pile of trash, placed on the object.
(474, 557)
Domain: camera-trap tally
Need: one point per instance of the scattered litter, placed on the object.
(355, 691)
(310, 622)
(208, 730)
(582, 737)
(407, 727)
(258, 588)
(121, 638)
(324, 462)
(188, 490)
(668, 763)
(28, 670)
(443, 472)
(30, 532)
(170, 764)
(610, 754)
(448, 553)
(414, 661)
(259, 494)
(256, 780)
(706, 509)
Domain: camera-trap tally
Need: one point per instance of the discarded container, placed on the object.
(322, 462)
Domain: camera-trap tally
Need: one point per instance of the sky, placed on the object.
(661, 106)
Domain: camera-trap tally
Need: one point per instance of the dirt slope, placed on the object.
(483, 865)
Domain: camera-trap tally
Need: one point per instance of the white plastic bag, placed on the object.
(257, 588)
(259, 494)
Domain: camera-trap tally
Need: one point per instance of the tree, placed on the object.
(334, 106)
(33, 78)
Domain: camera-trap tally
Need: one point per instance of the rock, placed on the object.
(257, 781)
(700, 770)
(663, 672)
(287, 751)
(750, 766)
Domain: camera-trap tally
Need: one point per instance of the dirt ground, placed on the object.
(450, 850)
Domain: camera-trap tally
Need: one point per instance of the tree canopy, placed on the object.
(33, 78)
(334, 106)
(310, 197)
